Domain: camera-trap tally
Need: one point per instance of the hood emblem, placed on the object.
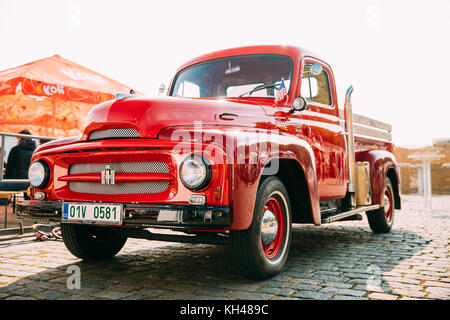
(108, 175)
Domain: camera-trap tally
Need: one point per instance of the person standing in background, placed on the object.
(18, 163)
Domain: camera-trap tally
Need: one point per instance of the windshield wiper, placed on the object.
(257, 88)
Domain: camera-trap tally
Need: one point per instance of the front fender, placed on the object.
(253, 153)
(248, 152)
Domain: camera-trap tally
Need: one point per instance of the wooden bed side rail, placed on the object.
(368, 127)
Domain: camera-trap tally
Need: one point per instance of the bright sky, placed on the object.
(395, 53)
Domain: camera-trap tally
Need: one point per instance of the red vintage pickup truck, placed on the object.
(247, 142)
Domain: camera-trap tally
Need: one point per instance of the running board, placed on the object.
(346, 214)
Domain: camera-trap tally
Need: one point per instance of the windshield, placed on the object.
(234, 76)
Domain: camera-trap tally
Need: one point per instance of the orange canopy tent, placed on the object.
(52, 96)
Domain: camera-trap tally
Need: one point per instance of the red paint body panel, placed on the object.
(313, 139)
(150, 115)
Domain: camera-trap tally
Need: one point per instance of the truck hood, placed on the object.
(149, 115)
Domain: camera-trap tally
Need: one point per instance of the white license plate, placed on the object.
(101, 213)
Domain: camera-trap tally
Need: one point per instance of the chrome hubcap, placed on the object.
(269, 227)
(387, 204)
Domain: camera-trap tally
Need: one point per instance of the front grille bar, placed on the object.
(115, 133)
(130, 178)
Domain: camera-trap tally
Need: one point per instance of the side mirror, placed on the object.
(299, 104)
(315, 69)
(161, 89)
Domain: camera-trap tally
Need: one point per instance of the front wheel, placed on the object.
(91, 242)
(260, 252)
(382, 219)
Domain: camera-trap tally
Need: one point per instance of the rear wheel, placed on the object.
(91, 242)
(260, 252)
(382, 219)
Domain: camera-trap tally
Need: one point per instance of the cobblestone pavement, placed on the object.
(344, 260)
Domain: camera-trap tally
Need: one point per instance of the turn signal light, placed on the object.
(217, 193)
(39, 195)
(29, 192)
(197, 199)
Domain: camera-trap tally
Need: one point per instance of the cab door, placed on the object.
(323, 130)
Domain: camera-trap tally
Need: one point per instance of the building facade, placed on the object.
(413, 167)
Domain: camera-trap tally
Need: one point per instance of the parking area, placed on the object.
(344, 260)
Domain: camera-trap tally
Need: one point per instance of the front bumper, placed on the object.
(189, 217)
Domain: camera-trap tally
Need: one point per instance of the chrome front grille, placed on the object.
(120, 188)
(115, 133)
(131, 167)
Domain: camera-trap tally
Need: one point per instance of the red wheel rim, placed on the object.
(274, 205)
(388, 212)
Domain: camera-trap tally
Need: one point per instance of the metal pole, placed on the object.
(429, 191)
(6, 210)
(53, 117)
(420, 180)
(351, 141)
(424, 180)
(1, 154)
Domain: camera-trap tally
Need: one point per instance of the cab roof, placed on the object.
(292, 51)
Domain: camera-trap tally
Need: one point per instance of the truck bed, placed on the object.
(370, 134)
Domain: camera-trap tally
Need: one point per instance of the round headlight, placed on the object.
(38, 174)
(195, 172)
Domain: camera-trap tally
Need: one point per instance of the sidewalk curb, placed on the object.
(16, 231)
(16, 237)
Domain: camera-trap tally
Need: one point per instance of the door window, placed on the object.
(188, 89)
(316, 88)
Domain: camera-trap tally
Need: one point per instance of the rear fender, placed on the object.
(382, 165)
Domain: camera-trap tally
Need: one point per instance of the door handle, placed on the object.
(228, 116)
